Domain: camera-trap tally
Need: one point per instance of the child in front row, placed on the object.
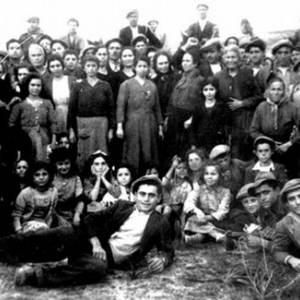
(34, 208)
(120, 188)
(263, 149)
(286, 244)
(69, 186)
(206, 206)
(176, 187)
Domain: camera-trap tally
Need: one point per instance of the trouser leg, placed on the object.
(44, 245)
(82, 269)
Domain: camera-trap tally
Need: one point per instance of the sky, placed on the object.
(104, 18)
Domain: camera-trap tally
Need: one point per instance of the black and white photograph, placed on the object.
(150, 150)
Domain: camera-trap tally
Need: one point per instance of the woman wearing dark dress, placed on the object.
(165, 79)
(185, 96)
(139, 119)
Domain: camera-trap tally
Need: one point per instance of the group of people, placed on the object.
(110, 150)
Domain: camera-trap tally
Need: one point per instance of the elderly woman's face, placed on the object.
(276, 91)
(231, 59)
(36, 56)
(162, 64)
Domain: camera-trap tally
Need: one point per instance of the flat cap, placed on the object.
(132, 12)
(261, 178)
(281, 43)
(202, 4)
(139, 38)
(266, 139)
(258, 43)
(290, 186)
(213, 42)
(34, 20)
(244, 192)
(147, 179)
(218, 150)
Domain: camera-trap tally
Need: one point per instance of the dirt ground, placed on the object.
(199, 273)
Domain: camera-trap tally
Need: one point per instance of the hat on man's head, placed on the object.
(149, 180)
(244, 192)
(261, 178)
(139, 38)
(132, 12)
(211, 43)
(33, 20)
(152, 21)
(257, 43)
(202, 4)
(281, 43)
(219, 150)
(264, 139)
(290, 186)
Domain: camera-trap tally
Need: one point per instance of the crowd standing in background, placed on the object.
(108, 150)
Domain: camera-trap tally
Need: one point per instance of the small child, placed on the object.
(120, 189)
(206, 206)
(152, 169)
(176, 186)
(263, 149)
(69, 206)
(35, 204)
(286, 244)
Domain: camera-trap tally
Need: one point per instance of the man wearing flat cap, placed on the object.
(233, 169)
(33, 33)
(203, 29)
(286, 245)
(283, 67)
(256, 50)
(118, 237)
(212, 54)
(128, 33)
(266, 188)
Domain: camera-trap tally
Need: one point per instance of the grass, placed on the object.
(206, 272)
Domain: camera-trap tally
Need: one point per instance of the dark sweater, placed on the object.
(91, 101)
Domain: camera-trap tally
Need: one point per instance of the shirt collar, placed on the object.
(258, 167)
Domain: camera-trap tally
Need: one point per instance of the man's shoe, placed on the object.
(24, 275)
